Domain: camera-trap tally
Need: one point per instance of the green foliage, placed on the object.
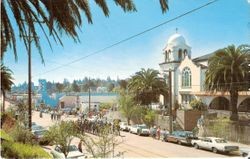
(126, 105)
(149, 118)
(5, 136)
(62, 134)
(218, 127)
(228, 70)
(105, 106)
(198, 105)
(20, 134)
(19, 150)
(147, 86)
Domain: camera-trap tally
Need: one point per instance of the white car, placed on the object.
(214, 144)
(140, 129)
(245, 151)
(124, 126)
(73, 152)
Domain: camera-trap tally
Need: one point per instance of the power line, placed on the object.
(129, 38)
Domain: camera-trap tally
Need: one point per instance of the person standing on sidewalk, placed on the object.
(158, 132)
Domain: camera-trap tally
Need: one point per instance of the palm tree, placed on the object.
(6, 81)
(147, 86)
(52, 16)
(227, 71)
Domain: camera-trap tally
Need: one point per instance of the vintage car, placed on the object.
(124, 126)
(214, 144)
(73, 152)
(181, 137)
(140, 129)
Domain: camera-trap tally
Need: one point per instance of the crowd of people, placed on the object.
(95, 126)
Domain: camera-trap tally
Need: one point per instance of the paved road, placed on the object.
(139, 146)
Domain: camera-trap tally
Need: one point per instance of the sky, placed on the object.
(216, 26)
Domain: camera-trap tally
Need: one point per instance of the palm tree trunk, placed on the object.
(233, 103)
(3, 100)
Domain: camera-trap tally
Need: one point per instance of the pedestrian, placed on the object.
(51, 115)
(158, 132)
(41, 113)
(80, 146)
(164, 135)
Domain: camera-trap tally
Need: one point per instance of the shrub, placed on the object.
(7, 121)
(198, 105)
(5, 136)
(20, 134)
(19, 150)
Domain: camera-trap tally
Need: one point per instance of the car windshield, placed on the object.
(143, 126)
(190, 134)
(73, 148)
(220, 141)
(39, 132)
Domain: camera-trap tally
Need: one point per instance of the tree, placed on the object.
(126, 105)
(123, 84)
(62, 134)
(52, 17)
(147, 86)
(111, 86)
(6, 82)
(102, 145)
(198, 105)
(59, 87)
(227, 71)
(75, 87)
(149, 117)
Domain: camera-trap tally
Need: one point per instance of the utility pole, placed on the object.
(170, 103)
(89, 96)
(30, 38)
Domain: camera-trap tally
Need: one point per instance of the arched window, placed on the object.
(185, 53)
(180, 54)
(186, 77)
(167, 54)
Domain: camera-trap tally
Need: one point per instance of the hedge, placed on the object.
(19, 150)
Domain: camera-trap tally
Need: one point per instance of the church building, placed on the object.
(188, 77)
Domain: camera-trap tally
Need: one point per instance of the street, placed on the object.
(139, 146)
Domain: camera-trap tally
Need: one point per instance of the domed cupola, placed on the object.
(176, 40)
(176, 49)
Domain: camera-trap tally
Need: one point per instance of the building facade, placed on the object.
(188, 77)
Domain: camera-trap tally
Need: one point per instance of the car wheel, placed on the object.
(139, 133)
(214, 150)
(244, 154)
(196, 146)
(179, 142)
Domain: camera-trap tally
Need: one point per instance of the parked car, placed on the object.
(214, 144)
(73, 152)
(181, 137)
(36, 128)
(124, 126)
(140, 129)
(163, 135)
(39, 134)
(244, 151)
